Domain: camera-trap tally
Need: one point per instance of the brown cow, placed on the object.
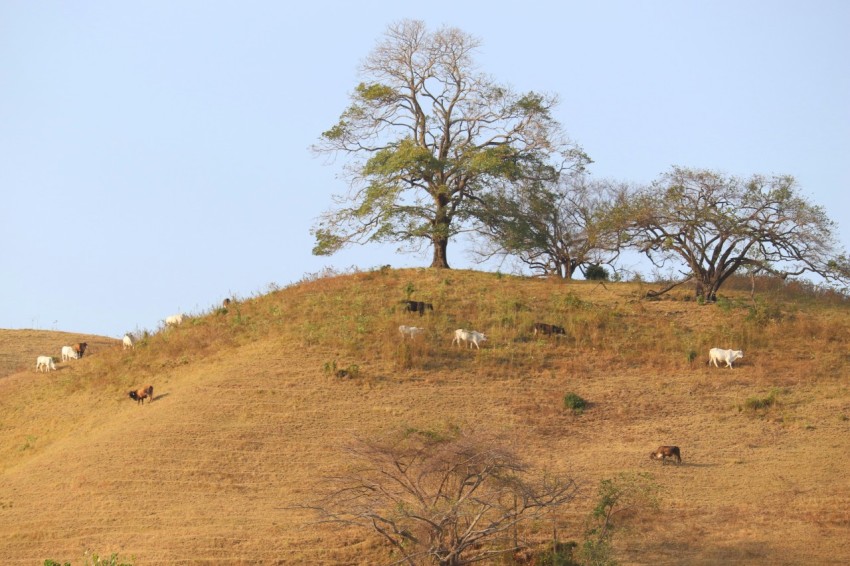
(664, 452)
(80, 348)
(141, 394)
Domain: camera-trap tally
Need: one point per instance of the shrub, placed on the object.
(596, 273)
(759, 403)
(558, 554)
(574, 403)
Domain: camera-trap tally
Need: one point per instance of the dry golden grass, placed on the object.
(247, 417)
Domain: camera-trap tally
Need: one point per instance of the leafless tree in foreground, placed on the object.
(451, 499)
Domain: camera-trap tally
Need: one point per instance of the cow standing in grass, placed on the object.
(664, 452)
(720, 355)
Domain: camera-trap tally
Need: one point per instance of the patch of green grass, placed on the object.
(575, 403)
(762, 403)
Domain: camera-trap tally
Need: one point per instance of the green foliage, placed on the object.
(625, 492)
(596, 273)
(763, 403)
(376, 93)
(558, 554)
(409, 289)
(574, 403)
(573, 302)
(763, 313)
(94, 559)
(50, 562)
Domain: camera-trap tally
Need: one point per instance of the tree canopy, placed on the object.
(554, 228)
(426, 134)
(719, 224)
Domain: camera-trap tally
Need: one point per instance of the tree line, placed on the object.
(435, 148)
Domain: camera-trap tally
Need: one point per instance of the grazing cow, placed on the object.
(417, 306)
(225, 303)
(141, 394)
(174, 320)
(720, 355)
(44, 363)
(664, 452)
(80, 348)
(548, 329)
(68, 353)
(128, 342)
(469, 337)
(412, 331)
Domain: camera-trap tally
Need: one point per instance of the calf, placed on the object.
(68, 353)
(720, 355)
(548, 329)
(417, 306)
(44, 363)
(128, 342)
(469, 337)
(141, 394)
(411, 331)
(664, 452)
(80, 348)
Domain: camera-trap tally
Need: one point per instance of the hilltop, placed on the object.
(248, 413)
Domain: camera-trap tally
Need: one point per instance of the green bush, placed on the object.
(760, 403)
(596, 273)
(574, 403)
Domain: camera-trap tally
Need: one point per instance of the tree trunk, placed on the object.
(440, 261)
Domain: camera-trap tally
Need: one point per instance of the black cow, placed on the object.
(417, 306)
(548, 329)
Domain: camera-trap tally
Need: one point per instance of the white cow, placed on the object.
(68, 353)
(128, 342)
(720, 355)
(44, 363)
(469, 337)
(174, 320)
(412, 331)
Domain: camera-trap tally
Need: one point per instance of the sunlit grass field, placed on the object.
(249, 414)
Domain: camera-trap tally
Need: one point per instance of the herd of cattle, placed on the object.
(468, 337)
(472, 337)
(75, 352)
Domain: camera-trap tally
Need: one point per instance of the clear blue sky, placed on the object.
(154, 154)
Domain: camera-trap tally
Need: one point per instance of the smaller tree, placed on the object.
(554, 228)
(617, 497)
(718, 225)
(440, 497)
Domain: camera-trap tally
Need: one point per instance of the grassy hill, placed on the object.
(248, 414)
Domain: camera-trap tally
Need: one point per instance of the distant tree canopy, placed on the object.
(554, 228)
(719, 225)
(427, 135)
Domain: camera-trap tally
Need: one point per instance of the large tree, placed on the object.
(554, 228)
(719, 225)
(425, 134)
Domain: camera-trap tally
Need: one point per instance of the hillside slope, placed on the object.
(246, 417)
(20, 348)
